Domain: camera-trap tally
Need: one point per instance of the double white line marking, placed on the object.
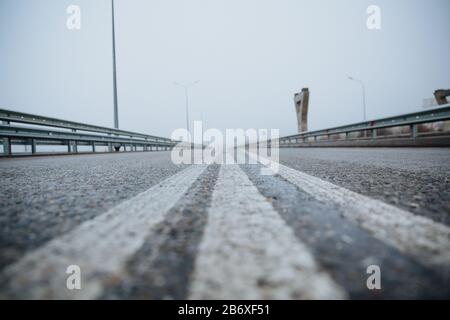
(421, 237)
(248, 251)
(100, 247)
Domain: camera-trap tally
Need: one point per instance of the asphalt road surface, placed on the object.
(140, 227)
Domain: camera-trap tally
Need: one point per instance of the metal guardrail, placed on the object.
(17, 128)
(368, 133)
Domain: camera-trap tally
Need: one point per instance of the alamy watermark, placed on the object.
(74, 19)
(73, 281)
(235, 146)
(374, 17)
(374, 280)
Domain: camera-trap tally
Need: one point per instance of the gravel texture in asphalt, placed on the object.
(41, 198)
(46, 198)
(345, 250)
(417, 180)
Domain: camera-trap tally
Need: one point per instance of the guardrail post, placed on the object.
(74, 143)
(413, 129)
(7, 146)
(72, 146)
(33, 146)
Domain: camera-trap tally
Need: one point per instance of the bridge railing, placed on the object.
(424, 128)
(18, 128)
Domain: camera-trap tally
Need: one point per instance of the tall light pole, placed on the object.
(116, 107)
(363, 94)
(186, 91)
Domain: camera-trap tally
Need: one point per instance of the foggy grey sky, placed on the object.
(251, 56)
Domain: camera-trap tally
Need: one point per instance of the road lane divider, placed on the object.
(99, 247)
(248, 251)
(426, 240)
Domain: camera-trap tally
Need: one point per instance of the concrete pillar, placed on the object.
(441, 96)
(374, 133)
(110, 147)
(93, 146)
(301, 100)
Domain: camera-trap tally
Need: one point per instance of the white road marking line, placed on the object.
(100, 246)
(426, 240)
(248, 251)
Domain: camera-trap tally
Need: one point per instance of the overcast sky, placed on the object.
(250, 56)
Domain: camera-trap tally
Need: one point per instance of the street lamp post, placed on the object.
(363, 94)
(186, 91)
(116, 107)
